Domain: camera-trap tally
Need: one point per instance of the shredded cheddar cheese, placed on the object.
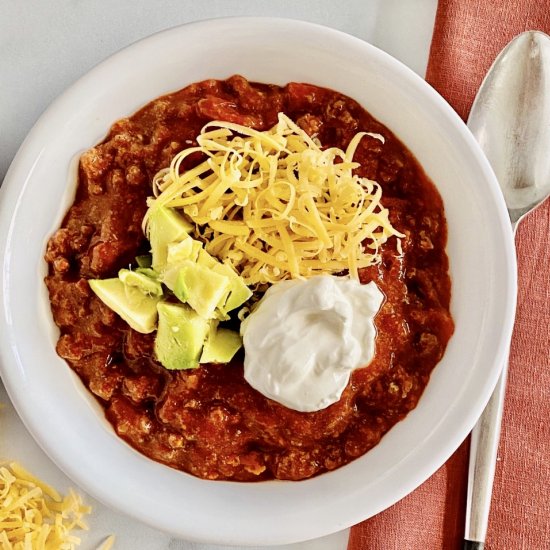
(108, 543)
(276, 205)
(34, 516)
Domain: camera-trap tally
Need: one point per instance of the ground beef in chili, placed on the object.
(209, 421)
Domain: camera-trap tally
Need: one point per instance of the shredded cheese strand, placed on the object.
(108, 543)
(34, 515)
(276, 205)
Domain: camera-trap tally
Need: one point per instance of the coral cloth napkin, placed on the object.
(467, 37)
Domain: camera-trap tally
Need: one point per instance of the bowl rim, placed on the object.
(10, 366)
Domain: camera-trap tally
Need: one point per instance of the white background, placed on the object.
(46, 45)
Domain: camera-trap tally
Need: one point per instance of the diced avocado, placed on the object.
(206, 259)
(204, 288)
(170, 275)
(139, 310)
(187, 249)
(141, 281)
(165, 226)
(144, 260)
(151, 273)
(181, 291)
(180, 336)
(239, 292)
(221, 346)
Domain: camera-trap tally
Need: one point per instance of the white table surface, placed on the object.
(46, 45)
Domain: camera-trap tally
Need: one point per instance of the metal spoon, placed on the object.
(510, 118)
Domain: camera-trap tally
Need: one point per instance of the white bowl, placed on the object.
(68, 423)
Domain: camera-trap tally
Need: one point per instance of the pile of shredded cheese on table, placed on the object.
(34, 516)
(276, 205)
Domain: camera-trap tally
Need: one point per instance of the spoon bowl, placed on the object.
(511, 121)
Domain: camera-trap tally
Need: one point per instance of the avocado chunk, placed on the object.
(187, 249)
(206, 259)
(165, 226)
(203, 287)
(151, 273)
(169, 276)
(239, 292)
(139, 310)
(141, 281)
(180, 336)
(181, 290)
(144, 260)
(221, 346)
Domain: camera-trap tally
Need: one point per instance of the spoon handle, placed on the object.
(481, 473)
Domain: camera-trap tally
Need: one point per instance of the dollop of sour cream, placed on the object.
(306, 337)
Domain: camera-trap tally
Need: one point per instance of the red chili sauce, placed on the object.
(209, 421)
